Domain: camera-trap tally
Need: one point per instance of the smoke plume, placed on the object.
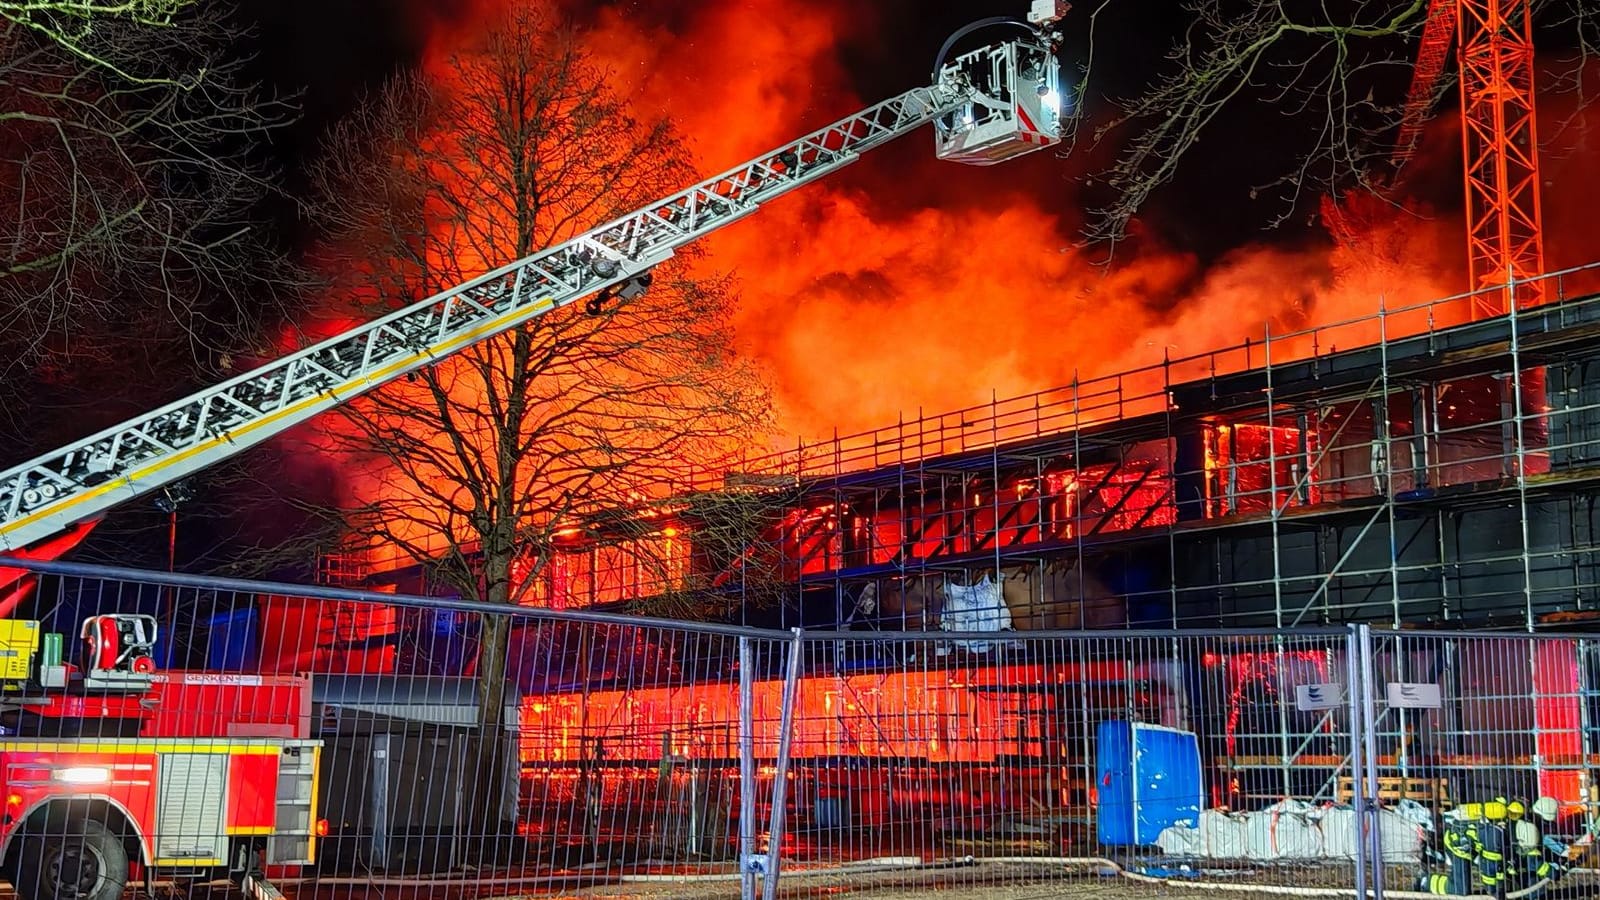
(905, 284)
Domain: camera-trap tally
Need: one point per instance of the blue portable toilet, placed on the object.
(1148, 779)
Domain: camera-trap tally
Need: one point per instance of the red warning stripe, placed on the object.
(1026, 122)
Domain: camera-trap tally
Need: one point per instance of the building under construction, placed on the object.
(1430, 474)
(1397, 469)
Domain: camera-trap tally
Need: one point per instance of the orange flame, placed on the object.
(860, 311)
(909, 284)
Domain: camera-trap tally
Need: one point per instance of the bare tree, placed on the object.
(130, 260)
(73, 24)
(517, 144)
(1331, 80)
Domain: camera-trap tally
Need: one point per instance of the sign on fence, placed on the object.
(1318, 696)
(1414, 695)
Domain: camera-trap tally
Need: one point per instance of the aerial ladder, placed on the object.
(988, 105)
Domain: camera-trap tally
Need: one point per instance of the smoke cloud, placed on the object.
(906, 284)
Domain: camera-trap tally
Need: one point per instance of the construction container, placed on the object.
(393, 801)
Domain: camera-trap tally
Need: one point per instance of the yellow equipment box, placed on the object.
(19, 641)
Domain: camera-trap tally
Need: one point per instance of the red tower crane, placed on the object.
(1499, 135)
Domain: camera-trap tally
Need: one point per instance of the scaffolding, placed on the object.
(1410, 470)
(1412, 475)
(1411, 467)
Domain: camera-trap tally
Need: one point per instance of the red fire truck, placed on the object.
(111, 771)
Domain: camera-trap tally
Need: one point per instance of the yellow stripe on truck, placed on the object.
(316, 798)
(145, 745)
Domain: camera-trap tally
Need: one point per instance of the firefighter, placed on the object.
(1491, 843)
(1460, 847)
(1539, 857)
(1495, 858)
(1475, 836)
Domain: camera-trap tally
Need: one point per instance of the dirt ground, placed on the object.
(994, 883)
(988, 881)
(897, 889)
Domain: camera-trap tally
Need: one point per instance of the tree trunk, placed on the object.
(489, 822)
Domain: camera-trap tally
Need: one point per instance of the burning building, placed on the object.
(1383, 470)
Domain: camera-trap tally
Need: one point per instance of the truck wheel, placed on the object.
(86, 862)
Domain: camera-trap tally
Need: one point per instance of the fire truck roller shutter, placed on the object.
(73, 850)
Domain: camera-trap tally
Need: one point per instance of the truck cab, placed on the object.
(112, 771)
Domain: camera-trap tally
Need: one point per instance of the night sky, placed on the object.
(334, 50)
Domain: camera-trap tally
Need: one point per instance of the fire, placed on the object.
(888, 291)
(956, 719)
(908, 285)
(899, 288)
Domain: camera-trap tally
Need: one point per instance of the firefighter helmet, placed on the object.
(1491, 810)
(1546, 808)
(1527, 837)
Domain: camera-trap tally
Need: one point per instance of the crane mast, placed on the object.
(1438, 33)
(988, 105)
(1500, 140)
(1499, 136)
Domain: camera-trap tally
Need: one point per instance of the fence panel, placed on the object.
(1015, 765)
(658, 756)
(445, 744)
(1462, 722)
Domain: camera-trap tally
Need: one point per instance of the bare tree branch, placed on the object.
(1333, 76)
(1317, 62)
(72, 25)
(130, 261)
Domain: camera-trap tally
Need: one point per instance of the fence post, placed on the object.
(1356, 690)
(780, 778)
(1369, 753)
(747, 772)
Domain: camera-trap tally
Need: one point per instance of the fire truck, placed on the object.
(113, 771)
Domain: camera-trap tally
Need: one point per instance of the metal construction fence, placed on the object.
(509, 751)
